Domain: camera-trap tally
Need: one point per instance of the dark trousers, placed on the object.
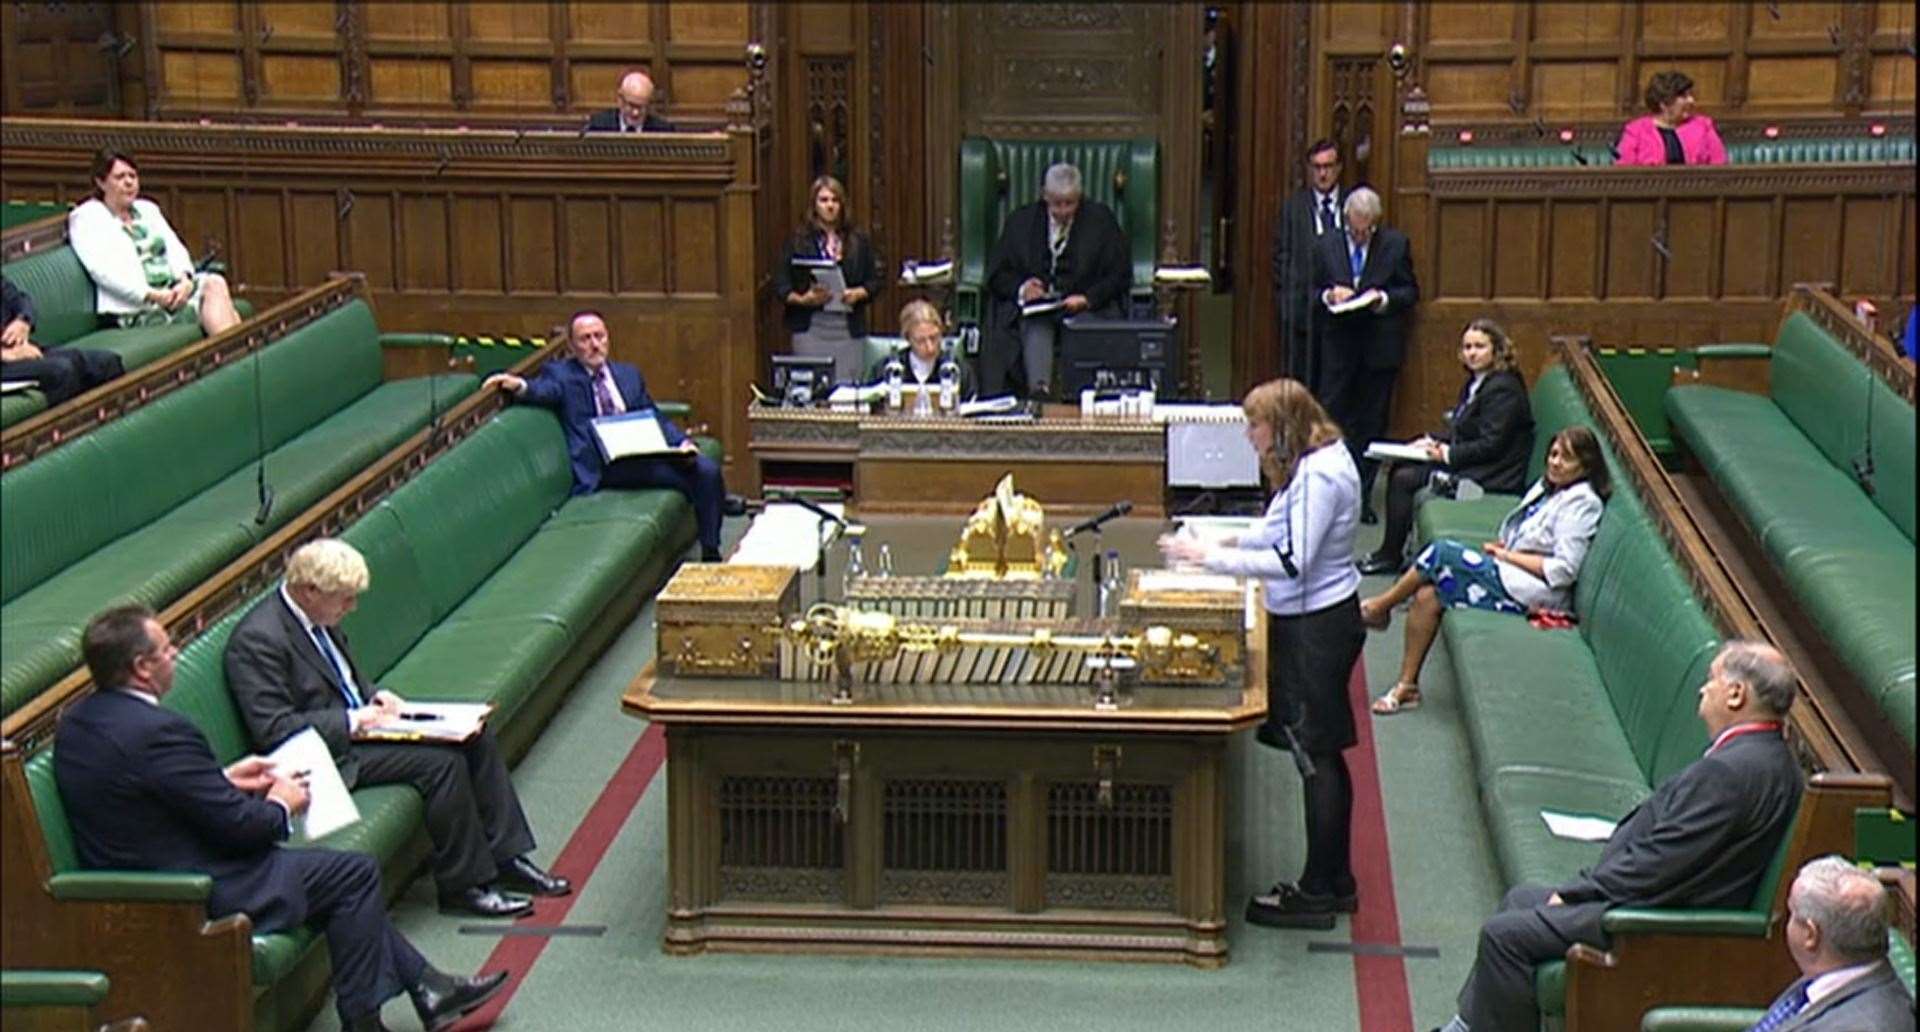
(1404, 481)
(473, 814)
(1359, 398)
(372, 961)
(698, 478)
(1523, 934)
(65, 372)
(1020, 358)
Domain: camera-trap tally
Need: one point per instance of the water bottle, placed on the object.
(886, 561)
(896, 373)
(856, 565)
(949, 385)
(1112, 583)
(922, 400)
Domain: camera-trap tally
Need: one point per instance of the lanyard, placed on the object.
(1751, 728)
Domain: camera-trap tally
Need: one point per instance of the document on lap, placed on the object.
(431, 722)
(1578, 827)
(330, 806)
(10, 386)
(1366, 298)
(630, 434)
(1395, 451)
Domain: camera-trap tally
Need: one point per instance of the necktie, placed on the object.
(341, 671)
(603, 403)
(1058, 245)
(1328, 221)
(1359, 264)
(1790, 1003)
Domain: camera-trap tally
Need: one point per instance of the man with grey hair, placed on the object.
(633, 112)
(1062, 248)
(289, 668)
(1837, 933)
(1361, 349)
(1704, 838)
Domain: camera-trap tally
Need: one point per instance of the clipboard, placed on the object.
(631, 434)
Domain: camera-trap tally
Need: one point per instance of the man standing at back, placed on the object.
(589, 386)
(144, 792)
(633, 112)
(1312, 212)
(1703, 839)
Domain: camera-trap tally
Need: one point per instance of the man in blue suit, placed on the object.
(588, 386)
(144, 792)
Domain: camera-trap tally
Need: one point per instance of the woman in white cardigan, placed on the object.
(141, 271)
(1531, 566)
(1302, 553)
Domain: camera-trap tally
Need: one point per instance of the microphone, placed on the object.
(264, 490)
(1863, 472)
(1119, 509)
(811, 506)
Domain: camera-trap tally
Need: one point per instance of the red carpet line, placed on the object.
(517, 953)
(1379, 982)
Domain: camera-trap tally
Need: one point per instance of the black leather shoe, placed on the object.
(1368, 516)
(442, 1000)
(1287, 907)
(1376, 564)
(711, 557)
(486, 901)
(733, 505)
(365, 1023)
(1270, 736)
(523, 875)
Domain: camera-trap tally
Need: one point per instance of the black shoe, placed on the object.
(486, 901)
(733, 505)
(365, 1023)
(523, 875)
(1378, 563)
(442, 1000)
(1368, 516)
(1287, 907)
(1271, 737)
(710, 555)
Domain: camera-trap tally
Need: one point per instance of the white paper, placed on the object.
(1367, 297)
(1397, 452)
(1043, 306)
(826, 273)
(989, 406)
(1190, 412)
(1578, 827)
(440, 721)
(785, 534)
(1182, 275)
(1176, 580)
(9, 386)
(851, 398)
(913, 274)
(630, 434)
(330, 806)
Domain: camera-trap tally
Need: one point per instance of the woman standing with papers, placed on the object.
(826, 277)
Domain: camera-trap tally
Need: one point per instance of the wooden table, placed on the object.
(1002, 820)
(900, 464)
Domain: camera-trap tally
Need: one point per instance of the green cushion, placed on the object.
(597, 562)
(62, 292)
(141, 345)
(21, 988)
(396, 609)
(1528, 852)
(21, 405)
(52, 812)
(1701, 1019)
(494, 660)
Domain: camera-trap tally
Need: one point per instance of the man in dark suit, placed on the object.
(59, 373)
(1703, 839)
(1361, 351)
(634, 112)
(1837, 932)
(1311, 213)
(1060, 247)
(588, 386)
(289, 669)
(143, 792)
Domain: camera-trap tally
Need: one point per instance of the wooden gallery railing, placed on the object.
(511, 230)
(1610, 989)
(1634, 257)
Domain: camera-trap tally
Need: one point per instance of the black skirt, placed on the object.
(1310, 660)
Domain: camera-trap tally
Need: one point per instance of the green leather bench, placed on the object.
(63, 300)
(1739, 1019)
(1785, 463)
(489, 583)
(1835, 151)
(19, 213)
(998, 176)
(1617, 714)
(149, 505)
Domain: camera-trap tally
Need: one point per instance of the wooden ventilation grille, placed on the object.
(944, 842)
(779, 839)
(1116, 853)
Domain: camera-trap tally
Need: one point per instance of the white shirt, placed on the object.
(1312, 522)
(148, 697)
(99, 239)
(341, 668)
(922, 372)
(613, 390)
(1320, 210)
(1834, 981)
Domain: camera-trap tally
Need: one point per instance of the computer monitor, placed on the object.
(1135, 352)
(800, 381)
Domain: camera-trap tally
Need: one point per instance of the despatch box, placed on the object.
(1211, 607)
(723, 620)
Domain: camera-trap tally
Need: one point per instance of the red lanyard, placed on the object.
(1754, 728)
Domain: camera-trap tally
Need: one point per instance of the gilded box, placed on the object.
(1211, 607)
(722, 620)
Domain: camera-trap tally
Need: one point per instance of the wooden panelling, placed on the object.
(405, 80)
(707, 23)
(1744, 269)
(1576, 89)
(610, 23)
(477, 232)
(1471, 23)
(1517, 261)
(1792, 82)
(1587, 24)
(1809, 240)
(512, 84)
(1690, 238)
(512, 21)
(1800, 22)
(705, 86)
(1632, 260)
(1573, 271)
(1353, 23)
(294, 77)
(59, 58)
(194, 16)
(409, 21)
(1892, 81)
(1664, 27)
(283, 22)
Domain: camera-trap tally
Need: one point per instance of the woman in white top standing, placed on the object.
(1542, 544)
(141, 271)
(1302, 552)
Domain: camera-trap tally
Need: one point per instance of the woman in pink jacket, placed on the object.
(1672, 134)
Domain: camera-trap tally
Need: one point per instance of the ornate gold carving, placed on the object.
(719, 620)
(1005, 537)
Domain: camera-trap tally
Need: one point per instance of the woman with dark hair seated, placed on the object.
(1488, 436)
(141, 271)
(1532, 566)
(1671, 134)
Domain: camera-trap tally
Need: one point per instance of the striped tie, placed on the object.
(603, 403)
